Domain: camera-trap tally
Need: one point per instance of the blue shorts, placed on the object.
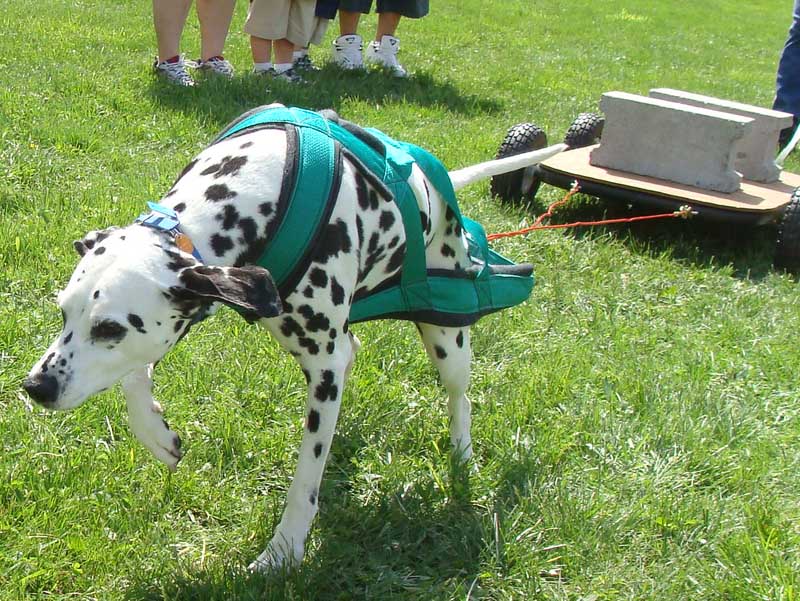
(412, 9)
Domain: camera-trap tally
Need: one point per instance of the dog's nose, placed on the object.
(42, 388)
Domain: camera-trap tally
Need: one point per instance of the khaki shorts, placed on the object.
(282, 19)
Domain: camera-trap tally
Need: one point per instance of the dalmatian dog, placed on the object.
(137, 290)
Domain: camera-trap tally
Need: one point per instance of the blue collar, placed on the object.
(166, 220)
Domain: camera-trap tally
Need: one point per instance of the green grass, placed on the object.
(636, 422)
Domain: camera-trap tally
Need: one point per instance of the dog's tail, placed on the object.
(469, 175)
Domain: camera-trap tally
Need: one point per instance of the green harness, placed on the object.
(311, 184)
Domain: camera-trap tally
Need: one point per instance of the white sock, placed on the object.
(281, 67)
(300, 53)
(261, 67)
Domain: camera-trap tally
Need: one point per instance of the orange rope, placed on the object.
(684, 212)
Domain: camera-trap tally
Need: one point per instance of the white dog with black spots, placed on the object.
(136, 292)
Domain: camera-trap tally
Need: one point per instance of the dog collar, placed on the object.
(166, 220)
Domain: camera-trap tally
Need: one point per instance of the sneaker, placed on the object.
(174, 72)
(216, 65)
(304, 63)
(347, 52)
(384, 54)
(290, 76)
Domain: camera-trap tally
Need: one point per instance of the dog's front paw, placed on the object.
(155, 434)
(280, 554)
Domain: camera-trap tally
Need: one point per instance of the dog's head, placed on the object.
(133, 295)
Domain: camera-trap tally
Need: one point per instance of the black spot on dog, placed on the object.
(290, 326)
(249, 229)
(229, 216)
(96, 294)
(360, 229)
(460, 339)
(100, 250)
(440, 352)
(63, 362)
(317, 453)
(221, 244)
(312, 499)
(393, 242)
(219, 192)
(68, 338)
(177, 326)
(308, 292)
(346, 327)
(396, 260)
(448, 214)
(178, 261)
(309, 344)
(362, 193)
(108, 329)
(332, 333)
(318, 277)
(386, 221)
(266, 209)
(330, 347)
(447, 251)
(227, 166)
(334, 239)
(326, 390)
(337, 292)
(180, 207)
(423, 218)
(136, 322)
(246, 145)
(315, 322)
(313, 420)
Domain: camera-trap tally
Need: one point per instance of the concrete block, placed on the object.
(670, 141)
(755, 152)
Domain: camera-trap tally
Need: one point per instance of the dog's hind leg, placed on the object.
(326, 377)
(449, 350)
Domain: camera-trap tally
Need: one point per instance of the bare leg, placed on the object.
(283, 51)
(387, 25)
(144, 418)
(215, 20)
(169, 17)
(261, 49)
(348, 22)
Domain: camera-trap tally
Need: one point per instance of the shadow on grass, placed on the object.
(218, 101)
(416, 542)
(744, 250)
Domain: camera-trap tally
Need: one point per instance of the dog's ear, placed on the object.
(250, 289)
(91, 239)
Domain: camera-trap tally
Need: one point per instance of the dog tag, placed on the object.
(183, 242)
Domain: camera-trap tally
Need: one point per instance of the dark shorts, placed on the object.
(412, 9)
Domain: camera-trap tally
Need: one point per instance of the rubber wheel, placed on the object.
(522, 183)
(585, 130)
(787, 245)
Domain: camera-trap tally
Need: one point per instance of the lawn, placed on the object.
(636, 422)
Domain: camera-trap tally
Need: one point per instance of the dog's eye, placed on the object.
(108, 329)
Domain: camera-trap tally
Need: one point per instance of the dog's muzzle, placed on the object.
(42, 388)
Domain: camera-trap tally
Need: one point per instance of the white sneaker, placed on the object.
(347, 52)
(384, 54)
(216, 65)
(174, 73)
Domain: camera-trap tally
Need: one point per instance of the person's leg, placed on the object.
(215, 20)
(169, 17)
(348, 22)
(387, 24)
(347, 47)
(283, 54)
(261, 49)
(787, 85)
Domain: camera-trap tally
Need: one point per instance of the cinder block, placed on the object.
(669, 140)
(755, 152)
